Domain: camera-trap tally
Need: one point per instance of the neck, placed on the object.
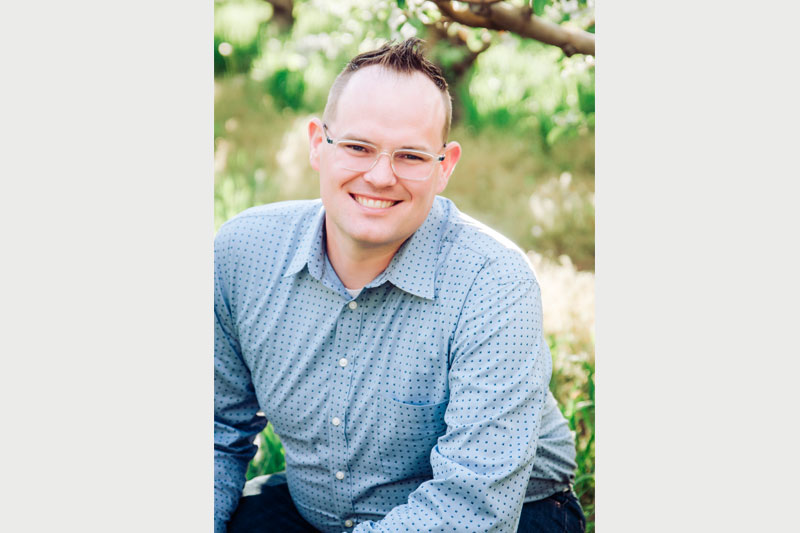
(354, 264)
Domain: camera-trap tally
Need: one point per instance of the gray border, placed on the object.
(697, 267)
(107, 124)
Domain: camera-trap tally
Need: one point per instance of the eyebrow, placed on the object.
(355, 137)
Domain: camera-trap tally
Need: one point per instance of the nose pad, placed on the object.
(381, 174)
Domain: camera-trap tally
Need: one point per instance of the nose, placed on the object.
(381, 174)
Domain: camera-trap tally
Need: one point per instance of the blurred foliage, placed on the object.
(575, 394)
(523, 112)
(514, 83)
(270, 457)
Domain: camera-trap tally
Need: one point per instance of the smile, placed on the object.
(372, 203)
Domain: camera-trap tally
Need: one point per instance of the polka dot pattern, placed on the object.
(422, 404)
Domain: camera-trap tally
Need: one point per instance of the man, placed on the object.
(395, 344)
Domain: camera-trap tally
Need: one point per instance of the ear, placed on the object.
(316, 136)
(452, 153)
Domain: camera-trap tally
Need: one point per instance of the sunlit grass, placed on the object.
(568, 308)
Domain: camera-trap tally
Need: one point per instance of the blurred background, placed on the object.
(521, 73)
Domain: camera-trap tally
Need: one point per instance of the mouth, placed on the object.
(373, 203)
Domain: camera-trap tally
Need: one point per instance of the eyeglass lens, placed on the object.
(407, 164)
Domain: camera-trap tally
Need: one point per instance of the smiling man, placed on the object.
(373, 204)
(395, 344)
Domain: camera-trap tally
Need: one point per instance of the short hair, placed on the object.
(404, 58)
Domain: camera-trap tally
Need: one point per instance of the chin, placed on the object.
(373, 240)
(370, 236)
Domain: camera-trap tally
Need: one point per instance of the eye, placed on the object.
(412, 157)
(357, 149)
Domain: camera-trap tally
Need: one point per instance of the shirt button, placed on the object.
(342, 362)
(339, 475)
(348, 523)
(352, 305)
(336, 421)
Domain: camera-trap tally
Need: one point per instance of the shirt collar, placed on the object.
(412, 269)
(310, 250)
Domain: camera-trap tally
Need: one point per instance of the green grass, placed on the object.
(574, 389)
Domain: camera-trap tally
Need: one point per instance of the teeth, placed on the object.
(368, 202)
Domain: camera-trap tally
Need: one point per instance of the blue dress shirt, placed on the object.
(420, 405)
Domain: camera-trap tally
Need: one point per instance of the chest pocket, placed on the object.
(408, 432)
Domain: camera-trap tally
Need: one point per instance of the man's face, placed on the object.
(376, 209)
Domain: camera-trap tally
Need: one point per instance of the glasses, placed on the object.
(360, 156)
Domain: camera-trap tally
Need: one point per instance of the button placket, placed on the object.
(347, 339)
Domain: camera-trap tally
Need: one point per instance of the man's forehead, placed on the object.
(374, 80)
(403, 102)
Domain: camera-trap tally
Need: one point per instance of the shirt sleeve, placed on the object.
(498, 381)
(235, 403)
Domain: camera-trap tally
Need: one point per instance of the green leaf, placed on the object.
(538, 6)
(417, 24)
(401, 4)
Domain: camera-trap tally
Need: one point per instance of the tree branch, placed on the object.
(520, 20)
(458, 40)
(282, 13)
(464, 16)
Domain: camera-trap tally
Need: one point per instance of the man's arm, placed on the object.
(499, 376)
(235, 403)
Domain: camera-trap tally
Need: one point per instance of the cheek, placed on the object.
(423, 194)
(327, 178)
(326, 190)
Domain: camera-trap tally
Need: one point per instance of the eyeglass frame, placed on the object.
(438, 158)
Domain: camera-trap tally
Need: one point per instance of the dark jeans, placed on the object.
(266, 506)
